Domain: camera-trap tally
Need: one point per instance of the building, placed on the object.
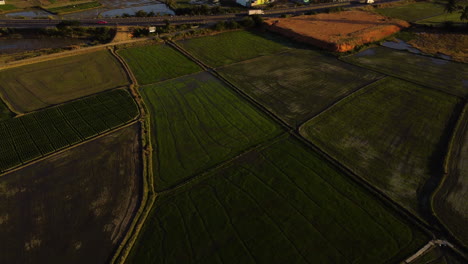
(249, 3)
(2, 2)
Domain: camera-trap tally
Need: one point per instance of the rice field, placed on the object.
(393, 133)
(230, 47)
(414, 11)
(450, 204)
(42, 84)
(40, 133)
(73, 207)
(151, 64)
(444, 75)
(281, 204)
(297, 84)
(196, 123)
(5, 113)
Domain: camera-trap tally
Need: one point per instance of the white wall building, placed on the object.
(2, 2)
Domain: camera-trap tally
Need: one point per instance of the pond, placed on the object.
(30, 13)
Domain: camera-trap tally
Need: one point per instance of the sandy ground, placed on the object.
(337, 31)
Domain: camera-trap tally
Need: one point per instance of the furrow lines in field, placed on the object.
(270, 217)
(321, 208)
(200, 124)
(205, 227)
(323, 236)
(228, 217)
(349, 198)
(186, 232)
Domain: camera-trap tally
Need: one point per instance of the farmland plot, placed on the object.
(5, 113)
(424, 70)
(450, 202)
(156, 63)
(230, 47)
(74, 207)
(282, 204)
(414, 11)
(392, 133)
(42, 84)
(37, 134)
(297, 84)
(196, 123)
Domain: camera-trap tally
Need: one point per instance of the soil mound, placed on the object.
(340, 31)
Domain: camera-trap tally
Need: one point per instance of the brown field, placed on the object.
(74, 207)
(454, 45)
(337, 31)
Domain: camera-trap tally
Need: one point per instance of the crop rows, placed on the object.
(283, 204)
(40, 133)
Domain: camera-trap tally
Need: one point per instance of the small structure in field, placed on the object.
(340, 31)
(152, 29)
(2, 2)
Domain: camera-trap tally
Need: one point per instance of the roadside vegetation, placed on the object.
(42, 84)
(424, 70)
(156, 63)
(392, 133)
(230, 47)
(297, 84)
(74, 207)
(273, 206)
(35, 135)
(197, 123)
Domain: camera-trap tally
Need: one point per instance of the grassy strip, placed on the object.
(391, 133)
(437, 20)
(197, 123)
(296, 85)
(449, 200)
(74, 8)
(230, 47)
(273, 206)
(155, 63)
(35, 135)
(7, 7)
(431, 72)
(42, 84)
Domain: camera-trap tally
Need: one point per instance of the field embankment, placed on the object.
(392, 133)
(42, 84)
(340, 32)
(37, 134)
(196, 123)
(73, 207)
(282, 204)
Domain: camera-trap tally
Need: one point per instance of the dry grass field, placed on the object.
(42, 84)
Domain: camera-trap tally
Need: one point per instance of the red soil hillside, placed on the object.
(337, 31)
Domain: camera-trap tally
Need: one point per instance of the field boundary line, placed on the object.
(449, 163)
(148, 195)
(52, 154)
(345, 97)
(205, 174)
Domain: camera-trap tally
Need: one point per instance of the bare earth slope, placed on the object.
(337, 31)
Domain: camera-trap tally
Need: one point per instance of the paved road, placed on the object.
(143, 21)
